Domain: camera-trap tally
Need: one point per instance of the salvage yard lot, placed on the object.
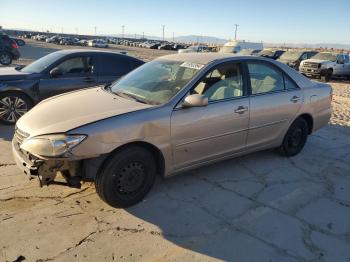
(260, 207)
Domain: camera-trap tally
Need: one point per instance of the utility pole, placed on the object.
(143, 35)
(123, 28)
(95, 30)
(236, 27)
(135, 36)
(173, 37)
(62, 30)
(163, 31)
(77, 30)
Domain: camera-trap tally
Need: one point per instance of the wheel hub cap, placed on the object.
(296, 137)
(12, 108)
(130, 178)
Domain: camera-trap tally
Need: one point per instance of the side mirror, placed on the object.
(340, 61)
(195, 100)
(56, 72)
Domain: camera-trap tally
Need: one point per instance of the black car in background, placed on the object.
(19, 42)
(294, 58)
(59, 72)
(271, 53)
(8, 50)
(68, 41)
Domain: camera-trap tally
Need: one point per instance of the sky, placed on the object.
(273, 21)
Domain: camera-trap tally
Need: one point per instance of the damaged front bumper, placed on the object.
(46, 170)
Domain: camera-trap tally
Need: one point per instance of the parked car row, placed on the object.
(75, 41)
(311, 63)
(152, 44)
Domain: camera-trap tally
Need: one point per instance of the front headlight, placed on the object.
(52, 145)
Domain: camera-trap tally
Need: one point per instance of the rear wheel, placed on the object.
(5, 58)
(12, 106)
(126, 177)
(295, 138)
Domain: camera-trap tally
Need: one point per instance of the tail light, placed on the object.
(14, 45)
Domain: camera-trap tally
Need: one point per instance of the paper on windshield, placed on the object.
(192, 65)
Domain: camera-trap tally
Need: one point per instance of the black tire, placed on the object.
(295, 139)
(12, 106)
(327, 76)
(5, 58)
(126, 177)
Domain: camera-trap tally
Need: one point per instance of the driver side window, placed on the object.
(223, 82)
(76, 65)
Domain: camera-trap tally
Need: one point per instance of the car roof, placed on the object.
(91, 51)
(199, 58)
(207, 58)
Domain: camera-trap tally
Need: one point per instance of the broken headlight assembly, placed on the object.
(57, 145)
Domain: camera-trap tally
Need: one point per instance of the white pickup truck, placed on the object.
(325, 65)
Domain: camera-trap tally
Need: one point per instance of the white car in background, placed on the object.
(98, 43)
(237, 46)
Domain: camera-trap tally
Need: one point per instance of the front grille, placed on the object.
(310, 65)
(20, 136)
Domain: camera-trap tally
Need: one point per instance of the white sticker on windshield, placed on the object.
(192, 65)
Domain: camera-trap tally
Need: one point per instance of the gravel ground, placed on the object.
(260, 207)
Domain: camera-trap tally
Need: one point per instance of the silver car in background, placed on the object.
(173, 114)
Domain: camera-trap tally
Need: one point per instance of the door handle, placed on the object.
(241, 109)
(295, 99)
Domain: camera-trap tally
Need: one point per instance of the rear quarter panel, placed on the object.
(317, 103)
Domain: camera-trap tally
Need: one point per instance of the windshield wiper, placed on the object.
(128, 95)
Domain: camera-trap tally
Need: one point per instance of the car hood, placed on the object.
(10, 73)
(285, 61)
(64, 112)
(319, 61)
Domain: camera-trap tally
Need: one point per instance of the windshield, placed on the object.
(291, 55)
(41, 64)
(156, 82)
(326, 56)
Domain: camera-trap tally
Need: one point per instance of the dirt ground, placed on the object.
(260, 207)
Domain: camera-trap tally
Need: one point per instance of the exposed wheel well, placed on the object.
(158, 155)
(309, 120)
(20, 93)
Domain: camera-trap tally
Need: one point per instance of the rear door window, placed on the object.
(264, 78)
(117, 65)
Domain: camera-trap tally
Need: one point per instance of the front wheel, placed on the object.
(295, 139)
(13, 106)
(5, 58)
(126, 177)
(327, 76)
